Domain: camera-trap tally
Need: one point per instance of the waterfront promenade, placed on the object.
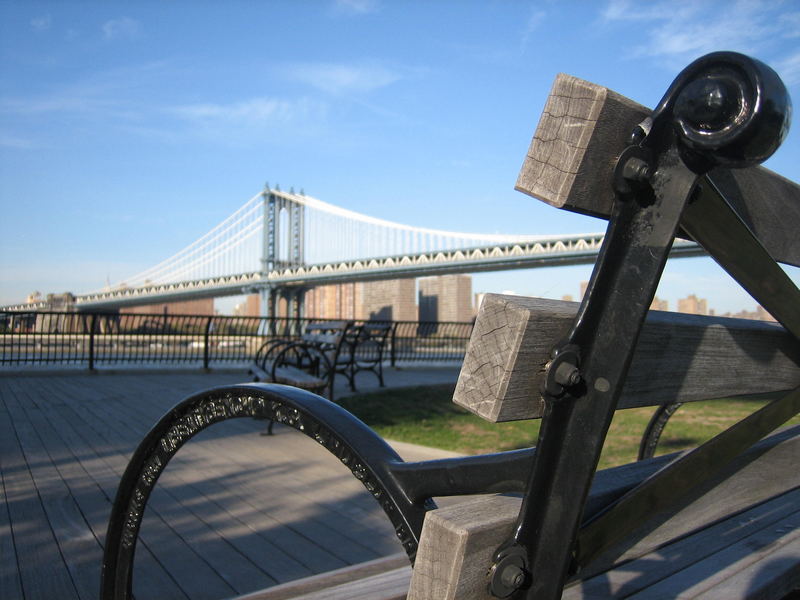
(234, 512)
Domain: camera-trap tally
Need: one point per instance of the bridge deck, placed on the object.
(235, 511)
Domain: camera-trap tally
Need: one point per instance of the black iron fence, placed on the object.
(94, 339)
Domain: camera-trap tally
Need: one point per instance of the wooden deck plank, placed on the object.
(85, 428)
(10, 583)
(70, 528)
(40, 563)
(200, 486)
(347, 498)
(193, 575)
(281, 506)
(347, 539)
(211, 569)
(93, 502)
(106, 481)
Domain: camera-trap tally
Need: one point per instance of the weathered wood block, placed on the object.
(457, 546)
(582, 131)
(678, 358)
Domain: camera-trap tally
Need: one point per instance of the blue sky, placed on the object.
(127, 130)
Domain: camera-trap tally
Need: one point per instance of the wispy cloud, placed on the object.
(342, 78)
(356, 7)
(255, 111)
(104, 93)
(680, 31)
(535, 20)
(122, 28)
(245, 121)
(790, 23)
(42, 23)
(17, 143)
(789, 69)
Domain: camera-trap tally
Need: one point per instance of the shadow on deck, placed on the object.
(234, 512)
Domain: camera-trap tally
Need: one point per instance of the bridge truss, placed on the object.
(286, 240)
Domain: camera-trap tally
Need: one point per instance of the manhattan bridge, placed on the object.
(280, 244)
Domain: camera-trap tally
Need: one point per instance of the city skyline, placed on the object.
(431, 298)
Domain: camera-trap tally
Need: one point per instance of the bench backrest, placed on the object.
(370, 341)
(583, 131)
(327, 334)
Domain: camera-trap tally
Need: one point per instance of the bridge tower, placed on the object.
(283, 247)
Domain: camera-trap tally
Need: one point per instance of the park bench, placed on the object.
(719, 521)
(367, 349)
(310, 363)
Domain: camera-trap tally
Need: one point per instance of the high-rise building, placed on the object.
(204, 306)
(334, 301)
(441, 298)
(389, 300)
(251, 307)
(445, 298)
(659, 304)
(693, 305)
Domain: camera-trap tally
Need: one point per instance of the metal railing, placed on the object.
(95, 339)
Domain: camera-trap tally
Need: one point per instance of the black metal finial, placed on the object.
(709, 104)
(728, 109)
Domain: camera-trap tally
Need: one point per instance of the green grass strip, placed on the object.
(427, 416)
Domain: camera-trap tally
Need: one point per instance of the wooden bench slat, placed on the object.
(583, 129)
(772, 572)
(390, 573)
(323, 339)
(457, 542)
(328, 325)
(288, 375)
(678, 357)
(729, 547)
(392, 585)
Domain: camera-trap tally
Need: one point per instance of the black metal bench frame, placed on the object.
(322, 351)
(657, 184)
(367, 349)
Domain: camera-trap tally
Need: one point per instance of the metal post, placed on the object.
(206, 343)
(393, 353)
(299, 303)
(92, 324)
(266, 301)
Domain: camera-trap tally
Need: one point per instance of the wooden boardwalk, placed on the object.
(234, 512)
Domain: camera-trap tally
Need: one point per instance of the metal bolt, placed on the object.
(636, 169)
(512, 576)
(567, 375)
(709, 103)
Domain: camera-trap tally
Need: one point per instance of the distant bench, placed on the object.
(325, 349)
(310, 363)
(367, 350)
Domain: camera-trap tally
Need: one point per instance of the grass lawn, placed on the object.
(427, 416)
